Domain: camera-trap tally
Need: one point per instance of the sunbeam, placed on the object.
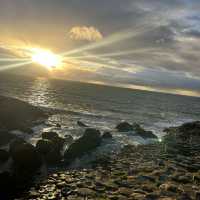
(115, 54)
(12, 66)
(12, 59)
(98, 65)
(117, 37)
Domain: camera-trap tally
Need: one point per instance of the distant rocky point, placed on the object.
(16, 114)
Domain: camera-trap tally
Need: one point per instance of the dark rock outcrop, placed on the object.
(89, 141)
(187, 131)
(143, 133)
(51, 146)
(54, 137)
(44, 146)
(16, 114)
(4, 155)
(50, 150)
(50, 135)
(190, 129)
(25, 156)
(6, 137)
(124, 127)
(107, 135)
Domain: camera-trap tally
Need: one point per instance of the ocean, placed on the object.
(102, 107)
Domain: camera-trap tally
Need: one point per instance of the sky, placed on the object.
(147, 44)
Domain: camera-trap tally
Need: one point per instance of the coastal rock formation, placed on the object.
(44, 146)
(25, 156)
(16, 114)
(124, 127)
(4, 156)
(143, 133)
(51, 146)
(89, 141)
(187, 131)
(58, 142)
(153, 171)
(107, 135)
(5, 137)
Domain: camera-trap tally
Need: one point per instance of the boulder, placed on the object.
(6, 185)
(124, 127)
(143, 133)
(50, 135)
(6, 137)
(186, 132)
(53, 157)
(15, 144)
(54, 137)
(107, 135)
(51, 152)
(4, 155)
(89, 141)
(190, 129)
(44, 146)
(25, 156)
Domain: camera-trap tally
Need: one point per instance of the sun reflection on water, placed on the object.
(39, 93)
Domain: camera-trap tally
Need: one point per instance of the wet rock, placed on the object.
(107, 135)
(6, 137)
(86, 192)
(89, 141)
(53, 157)
(16, 114)
(184, 196)
(54, 137)
(25, 156)
(136, 196)
(81, 124)
(143, 133)
(15, 144)
(6, 185)
(44, 146)
(169, 187)
(192, 128)
(124, 127)
(4, 155)
(125, 191)
(50, 135)
(145, 178)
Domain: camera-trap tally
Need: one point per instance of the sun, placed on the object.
(46, 58)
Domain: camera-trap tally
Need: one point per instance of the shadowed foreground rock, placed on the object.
(124, 127)
(25, 156)
(50, 147)
(88, 142)
(143, 133)
(16, 114)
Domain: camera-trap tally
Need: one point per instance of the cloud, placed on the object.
(90, 34)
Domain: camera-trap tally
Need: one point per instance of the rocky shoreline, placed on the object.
(167, 169)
